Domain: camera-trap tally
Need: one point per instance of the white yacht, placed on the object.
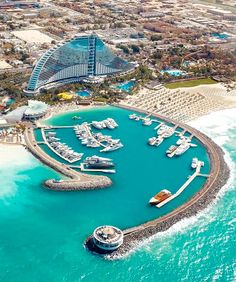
(112, 147)
(159, 140)
(114, 141)
(171, 149)
(168, 133)
(97, 162)
(132, 116)
(152, 141)
(193, 145)
(85, 141)
(183, 139)
(113, 122)
(97, 124)
(108, 124)
(147, 121)
(194, 163)
(182, 148)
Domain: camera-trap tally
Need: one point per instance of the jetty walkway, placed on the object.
(53, 150)
(76, 181)
(92, 137)
(183, 187)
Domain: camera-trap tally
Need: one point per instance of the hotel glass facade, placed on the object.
(80, 57)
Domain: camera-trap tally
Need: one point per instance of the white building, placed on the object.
(34, 110)
(108, 238)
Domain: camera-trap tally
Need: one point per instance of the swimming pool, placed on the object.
(221, 36)
(125, 86)
(174, 72)
(82, 93)
(9, 101)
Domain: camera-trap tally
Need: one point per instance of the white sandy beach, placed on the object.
(183, 104)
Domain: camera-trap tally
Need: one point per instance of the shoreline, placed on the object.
(57, 110)
(219, 175)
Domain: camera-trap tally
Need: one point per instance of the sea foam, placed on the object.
(14, 161)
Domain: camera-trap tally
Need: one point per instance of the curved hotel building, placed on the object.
(75, 59)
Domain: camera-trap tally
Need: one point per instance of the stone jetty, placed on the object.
(77, 181)
(219, 175)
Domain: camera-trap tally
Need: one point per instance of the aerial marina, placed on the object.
(106, 144)
(117, 140)
(180, 152)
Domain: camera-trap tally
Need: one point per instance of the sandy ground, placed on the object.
(32, 36)
(4, 65)
(216, 97)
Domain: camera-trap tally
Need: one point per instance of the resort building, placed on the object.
(34, 110)
(73, 60)
(108, 238)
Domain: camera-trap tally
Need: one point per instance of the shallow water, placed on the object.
(41, 231)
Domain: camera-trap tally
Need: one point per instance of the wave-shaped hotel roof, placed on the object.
(72, 60)
(34, 110)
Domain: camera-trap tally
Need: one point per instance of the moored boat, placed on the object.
(132, 116)
(194, 163)
(171, 149)
(182, 149)
(159, 141)
(160, 197)
(112, 147)
(152, 141)
(97, 162)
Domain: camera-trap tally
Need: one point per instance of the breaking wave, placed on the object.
(14, 161)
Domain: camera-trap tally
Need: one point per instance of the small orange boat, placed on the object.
(160, 197)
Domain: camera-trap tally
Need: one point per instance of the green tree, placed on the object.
(135, 48)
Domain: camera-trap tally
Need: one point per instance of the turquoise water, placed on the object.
(42, 231)
(10, 101)
(126, 86)
(222, 36)
(173, 72)
(83, 93)
(139, 175)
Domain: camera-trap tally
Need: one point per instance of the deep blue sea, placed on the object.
(42, 232)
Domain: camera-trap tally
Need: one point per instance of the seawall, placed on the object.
(219, 175)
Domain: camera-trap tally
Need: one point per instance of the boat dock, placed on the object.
(54, 126)
(91, 136)
(54, 151)
(159, 125)
(59, 126)
(183, 132)
(41, 143)
(183, 187)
